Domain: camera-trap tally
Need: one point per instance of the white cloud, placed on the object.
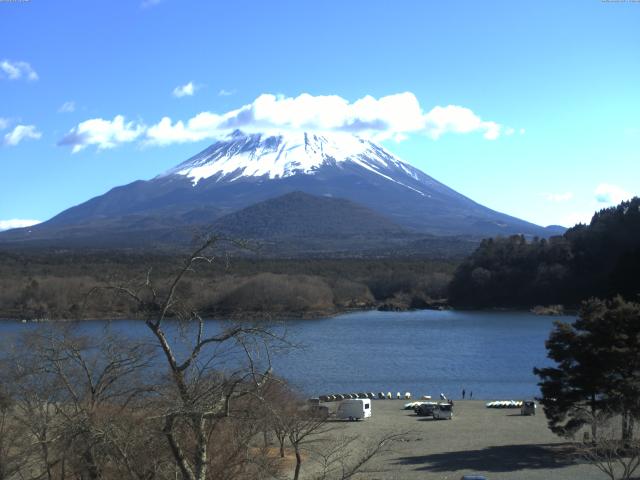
(184, 90)
(389, 117)
(4, 123)
(21, 132)
(102, 133)
(558, 197)
(17, 70)
(198, 128)
(456, 119)
(17, 223)
(225, 93)
(612, 194)
(392, 116)
(67, 107)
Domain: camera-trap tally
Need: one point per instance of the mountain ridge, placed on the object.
(246, 169)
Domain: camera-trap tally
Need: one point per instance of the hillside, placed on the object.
(299, 214)
(601, 259)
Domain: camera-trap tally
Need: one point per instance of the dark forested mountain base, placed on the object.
(601, 259)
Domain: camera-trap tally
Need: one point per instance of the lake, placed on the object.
(491, 354)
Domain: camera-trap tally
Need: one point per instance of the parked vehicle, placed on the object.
(354, 409)
(528, 408)
(425, 408)
(443, 411)
(319, 411)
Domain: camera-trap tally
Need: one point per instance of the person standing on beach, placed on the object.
(463, 393)
(471, 395)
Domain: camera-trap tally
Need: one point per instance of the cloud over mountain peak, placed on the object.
(392, 116)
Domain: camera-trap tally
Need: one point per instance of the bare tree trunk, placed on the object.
(45, 456)
(627, 427)
(93, 471)
(296, 474)
(594, 422)
(178, 454)
(201, 453)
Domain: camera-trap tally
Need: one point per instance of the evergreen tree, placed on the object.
(598, 260)
(597, 370)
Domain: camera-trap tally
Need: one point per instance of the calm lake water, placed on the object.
(491, 354)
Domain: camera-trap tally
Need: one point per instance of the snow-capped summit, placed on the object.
(277, 156)
(246, 184)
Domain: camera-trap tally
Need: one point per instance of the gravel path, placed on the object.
(498, 443)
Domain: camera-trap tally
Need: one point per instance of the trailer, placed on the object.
(354, 409)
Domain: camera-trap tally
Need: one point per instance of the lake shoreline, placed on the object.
(284, 315)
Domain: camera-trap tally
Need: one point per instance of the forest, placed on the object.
(53, 284)
(596, 260)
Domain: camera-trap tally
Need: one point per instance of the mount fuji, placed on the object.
(232, 184)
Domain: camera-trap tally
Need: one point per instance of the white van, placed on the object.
(354, 409)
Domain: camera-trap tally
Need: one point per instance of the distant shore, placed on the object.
(286, 315)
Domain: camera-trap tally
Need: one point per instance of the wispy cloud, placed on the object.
(611, 194)
(226, 93)
(20, 133)
(393, 116)
(17, 70)
(104, 134)
(67, 107)
(558, 197)
(4, 123)
(17, 223)
(184, 90)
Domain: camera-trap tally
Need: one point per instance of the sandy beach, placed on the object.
(498, 443)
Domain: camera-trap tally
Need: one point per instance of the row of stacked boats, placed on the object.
(380, 396)
(505, 404)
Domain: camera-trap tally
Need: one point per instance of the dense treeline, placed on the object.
(53, 284)
(596, 260)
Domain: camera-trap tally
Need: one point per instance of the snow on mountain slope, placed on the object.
(246, 170)
(287, 154)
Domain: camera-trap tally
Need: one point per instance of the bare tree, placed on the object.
(614, 457)
(13, 441)
(304, 428)
(338, 459)
(199, 392)
(191, 404)
(73, 394)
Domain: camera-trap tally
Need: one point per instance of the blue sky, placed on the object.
(530, 108)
